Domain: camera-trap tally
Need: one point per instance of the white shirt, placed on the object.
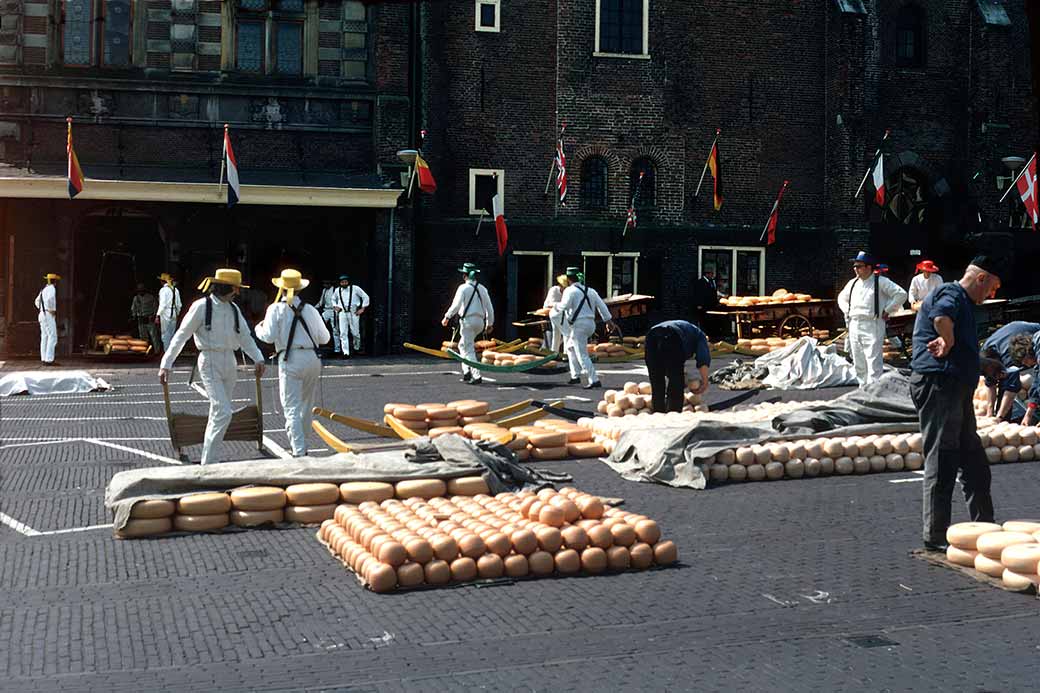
(326, 302)
(47, 300)
(554, 296)
(921, 286)
(856, 300)
(349, 298)
(274, 328)
(220, 337)
(169, 302)
(575, 307)
(479, 307)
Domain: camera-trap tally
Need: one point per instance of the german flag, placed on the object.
(75, 173)
(716, 174)
(426, 182)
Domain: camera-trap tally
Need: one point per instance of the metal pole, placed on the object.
(872, 165)
(1015, 182)
(552, 166)
(718, 131)
(390, 285)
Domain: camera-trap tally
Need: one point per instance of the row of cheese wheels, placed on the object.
(421, 418)
(548, 439)
(494, 358)
(409, 544)
(637, 399)
(479, 345)
(778, 296)
(1010, 551)
(255, 506)
(606, 349)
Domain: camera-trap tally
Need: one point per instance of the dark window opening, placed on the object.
(621, 27)
(909, 37)
(485, 187)
(594, 183)
(646, 197)
(487, 15)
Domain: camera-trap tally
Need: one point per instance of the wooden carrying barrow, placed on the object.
(190, 429)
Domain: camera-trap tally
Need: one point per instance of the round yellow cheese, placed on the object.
(357, 492)
(259, 498)
(585, 450)
(989, 566)
(312, 494)
(992, 544)
(135, 529)
(310, 514)
(256, 518)
(467, 486)
(204, 504)
(1027, 526)
(1014, 580)
(420, 488)
(549, 453)
(965, 535)
(152, 509)
(201, 523)
(964, 557)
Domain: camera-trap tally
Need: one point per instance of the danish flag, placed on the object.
(561, 168)
(1027, 190)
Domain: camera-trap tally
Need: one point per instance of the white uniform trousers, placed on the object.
(217, 372)
(469, 329)
(866, 343)
(349, 324)
(298, 380)
(48, 337)
(577, 341)
(329, 316)
(167, 327)
(556, 335)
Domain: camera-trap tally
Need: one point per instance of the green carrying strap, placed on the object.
(503, 369)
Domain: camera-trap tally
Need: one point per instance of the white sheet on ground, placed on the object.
(806, 366)
(50, 383)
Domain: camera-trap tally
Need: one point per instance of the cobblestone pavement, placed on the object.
(797, 585)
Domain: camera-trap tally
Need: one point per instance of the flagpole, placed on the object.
(479, 222)
(411, 179)
(635, 196)
(223, 160)
(718, 131)
(776, 207)
(552, 166)
(1015, 182)
(871, 169)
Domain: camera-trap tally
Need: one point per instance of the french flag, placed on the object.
(879, 181)
(231, 167)
(500, 224)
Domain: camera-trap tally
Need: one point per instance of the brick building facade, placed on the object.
(317, 96)
(801, 91)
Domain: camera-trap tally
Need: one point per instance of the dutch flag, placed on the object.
(231, 167)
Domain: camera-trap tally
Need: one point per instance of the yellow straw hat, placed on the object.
(231, 277)
(290, 282)
(50, 276)
(166, 277)
(562, 280)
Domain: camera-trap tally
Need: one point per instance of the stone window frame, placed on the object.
(598, 53)
(633, 179)
(270, 18)
(633, 255)
(734, 250)
(478, 6)
(500, 174)
(98, 10)
(603, 203)
(910, 17)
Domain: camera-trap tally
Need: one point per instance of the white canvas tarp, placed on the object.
(50, 383)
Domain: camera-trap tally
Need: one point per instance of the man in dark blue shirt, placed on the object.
(1015, 346)
(668, 346)
(946, 366)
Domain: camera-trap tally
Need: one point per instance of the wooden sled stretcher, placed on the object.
(190, 429)
(503, 348)
(506, 417)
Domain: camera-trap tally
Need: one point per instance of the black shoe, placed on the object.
(477, 381)
(594, 386)
(936, 547)
(466, 377)
(574, 381)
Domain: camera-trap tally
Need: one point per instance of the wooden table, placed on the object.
(790, 319)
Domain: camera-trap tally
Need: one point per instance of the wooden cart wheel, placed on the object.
(795, 326)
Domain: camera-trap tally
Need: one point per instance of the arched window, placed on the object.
(646, 198)
(594, 183)
(909, 36)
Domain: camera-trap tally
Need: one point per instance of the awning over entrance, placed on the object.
(268, 188)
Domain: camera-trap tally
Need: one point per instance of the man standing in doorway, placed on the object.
(170, 307)
(349, 302)
(144, 308)
(47, 304)
(705, 296)
(327, 308)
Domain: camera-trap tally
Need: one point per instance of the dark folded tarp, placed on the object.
(673, 456)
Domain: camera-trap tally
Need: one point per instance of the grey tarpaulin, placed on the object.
(504, 471)
(671, 455)
(805, 366)
(129, 487)
(50, 383)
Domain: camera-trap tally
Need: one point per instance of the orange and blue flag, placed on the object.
(75, 173)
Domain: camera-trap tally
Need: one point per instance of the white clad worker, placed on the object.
(867, 301)
(580, 306)
(219, 329)
(170, 307)
(296, 330)
(328, 312)
(350, 302)
(555, 336)
(924, 283)
(47, 304)
(472, 306)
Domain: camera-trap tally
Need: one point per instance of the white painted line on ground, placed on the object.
(276, 449)
(35, 442)
(72, 530)
(911, 480)
(575, 398)
(125, 448)
(130, 403)
(637, 369)
(85, 418)
(17, 526)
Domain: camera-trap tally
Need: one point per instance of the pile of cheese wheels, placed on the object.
(1010, 551)
(479, 345)
(429, 540)
(779, 296)
(636, 399)
(494, 358)
(765, 345)
(1008, 442)
(547, 439)
(431, 418)
(251, 506)
(608, 349)
(120, 342)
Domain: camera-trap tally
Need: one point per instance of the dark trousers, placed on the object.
(664, 362)
(951, 445)
(149, 331)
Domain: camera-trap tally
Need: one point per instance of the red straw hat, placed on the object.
(927, 266)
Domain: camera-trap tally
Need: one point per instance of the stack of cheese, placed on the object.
(606, 350)
(427, 540)
(759, 347)
(251, 506)
(121, 343)
(535, 342)
(1008, 442)
(1010, 552)
(494, 358)
(634, 342)
(889, 352)
(637, 399)
(779, 296)
(548, 439)
(436, 417)
(479, 345)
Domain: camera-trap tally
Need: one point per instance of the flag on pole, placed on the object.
(879, 180)
(632, 218)
(774, 217)
(501, 232)
(716, 173)
(561, 168)
(75, 173)
(426, 182)
(231, 170)
(1027, 191)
